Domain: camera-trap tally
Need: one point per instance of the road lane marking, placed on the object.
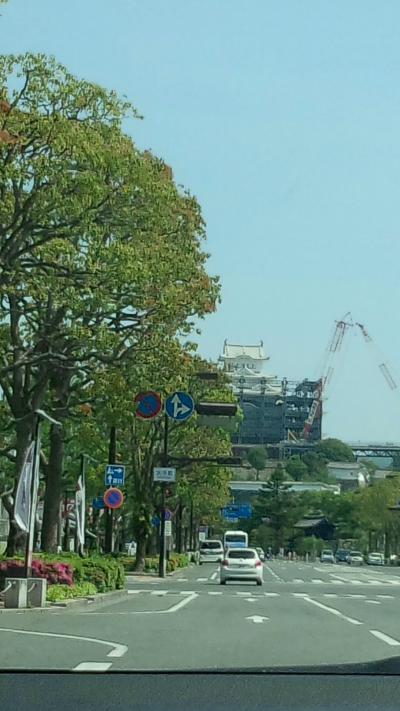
(257, 619)
(214, 575)
(385, 638)
(182, 580)
(118, 650)
(298, 580)
(332, 611)
(242, 593)
(317, 580)
(373, 602)
(274, 575)
(215, 593)
(92, 666)
(331, 595)
(300, 594)
(136, 592)
(271, 594)
(159, 593)
(251, 599)
(337, 582)
(201, 580)
(386, 597)
(355, 596)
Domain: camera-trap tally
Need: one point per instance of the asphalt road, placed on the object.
(305, 614)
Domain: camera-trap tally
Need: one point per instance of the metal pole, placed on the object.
(162, 558)
(66, 525)
(112, 456)
(79, 546)
(33, 499)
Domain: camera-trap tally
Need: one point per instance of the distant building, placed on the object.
(351, 475)
(274, 410)
(245, 492)
(316, 526)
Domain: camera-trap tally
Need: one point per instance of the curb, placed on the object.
(154, 576)
(66, 604)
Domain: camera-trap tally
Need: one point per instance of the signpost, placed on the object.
(179, 406)
(148, 405)
(164, 474)
(113, 498)
(114, 475)
(168, 528)
(98, 502)
(236, 511)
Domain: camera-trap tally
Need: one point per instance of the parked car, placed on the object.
(261, 554)
(355, 558)
(327, 556)
(342, 555)
(241, 564)
(375, 559)
(394, 559)
(211, 551)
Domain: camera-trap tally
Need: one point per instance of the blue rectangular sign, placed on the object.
(236, 511)
(114, 475)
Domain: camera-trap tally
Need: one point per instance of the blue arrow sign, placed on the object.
(114, 475)
(179, 406)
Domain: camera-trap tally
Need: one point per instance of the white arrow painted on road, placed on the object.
(258, 619)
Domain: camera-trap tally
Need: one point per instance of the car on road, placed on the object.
(211, 551)
(342, 555)
(327, 556)
(241, 564)
(375, 559)
(355, 558)
(261, 554)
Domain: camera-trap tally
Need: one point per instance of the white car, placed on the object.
(355, 558)
(376, 559)
(211, 552)
(327, 556)
(241, 564)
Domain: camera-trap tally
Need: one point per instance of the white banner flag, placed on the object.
(80, 506)
(23, 496)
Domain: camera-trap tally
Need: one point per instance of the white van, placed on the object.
(211, 551)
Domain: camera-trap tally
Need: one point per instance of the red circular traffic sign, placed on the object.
(148, 405)
(113, 498)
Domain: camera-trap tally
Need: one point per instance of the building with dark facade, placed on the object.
(274, 410)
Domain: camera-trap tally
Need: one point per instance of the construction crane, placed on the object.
(382, 366)
(334, 346)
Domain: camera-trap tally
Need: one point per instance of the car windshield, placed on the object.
(199, 352)
(241, 554)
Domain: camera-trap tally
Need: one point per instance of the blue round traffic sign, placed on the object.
(148, 405)
(113, 498)
(179, 406)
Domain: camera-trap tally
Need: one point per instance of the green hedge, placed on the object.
(55, 593)
(176, 560)
(104, 572)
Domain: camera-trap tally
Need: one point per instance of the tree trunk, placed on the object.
(141, 542)
(52, 498)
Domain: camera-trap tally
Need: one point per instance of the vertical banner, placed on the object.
(80, 506)
(23, 495)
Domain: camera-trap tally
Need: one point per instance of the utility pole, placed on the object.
(162, 558)
(109, 513)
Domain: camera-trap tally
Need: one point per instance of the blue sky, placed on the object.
(283, 119)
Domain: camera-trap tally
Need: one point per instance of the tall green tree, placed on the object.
(334, 450)
(257, 458)
(274, 507)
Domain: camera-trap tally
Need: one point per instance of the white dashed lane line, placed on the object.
(332, 611)
(385, 638)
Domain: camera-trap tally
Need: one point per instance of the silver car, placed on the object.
(355, 558)
(327, 556)
(241, 564)
(211, 552)
(376, 559)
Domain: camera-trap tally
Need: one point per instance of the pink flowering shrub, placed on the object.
(55, 573)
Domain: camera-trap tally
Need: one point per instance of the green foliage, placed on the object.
(296, 468)
(334, 450)
(257, 458)
(105, 573)
(56, 593)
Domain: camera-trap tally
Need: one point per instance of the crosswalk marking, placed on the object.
(331, 595)
(317, 580)
(214, 593)
(298, 580)
(356, 596)
(269, 594)
(387, 597)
